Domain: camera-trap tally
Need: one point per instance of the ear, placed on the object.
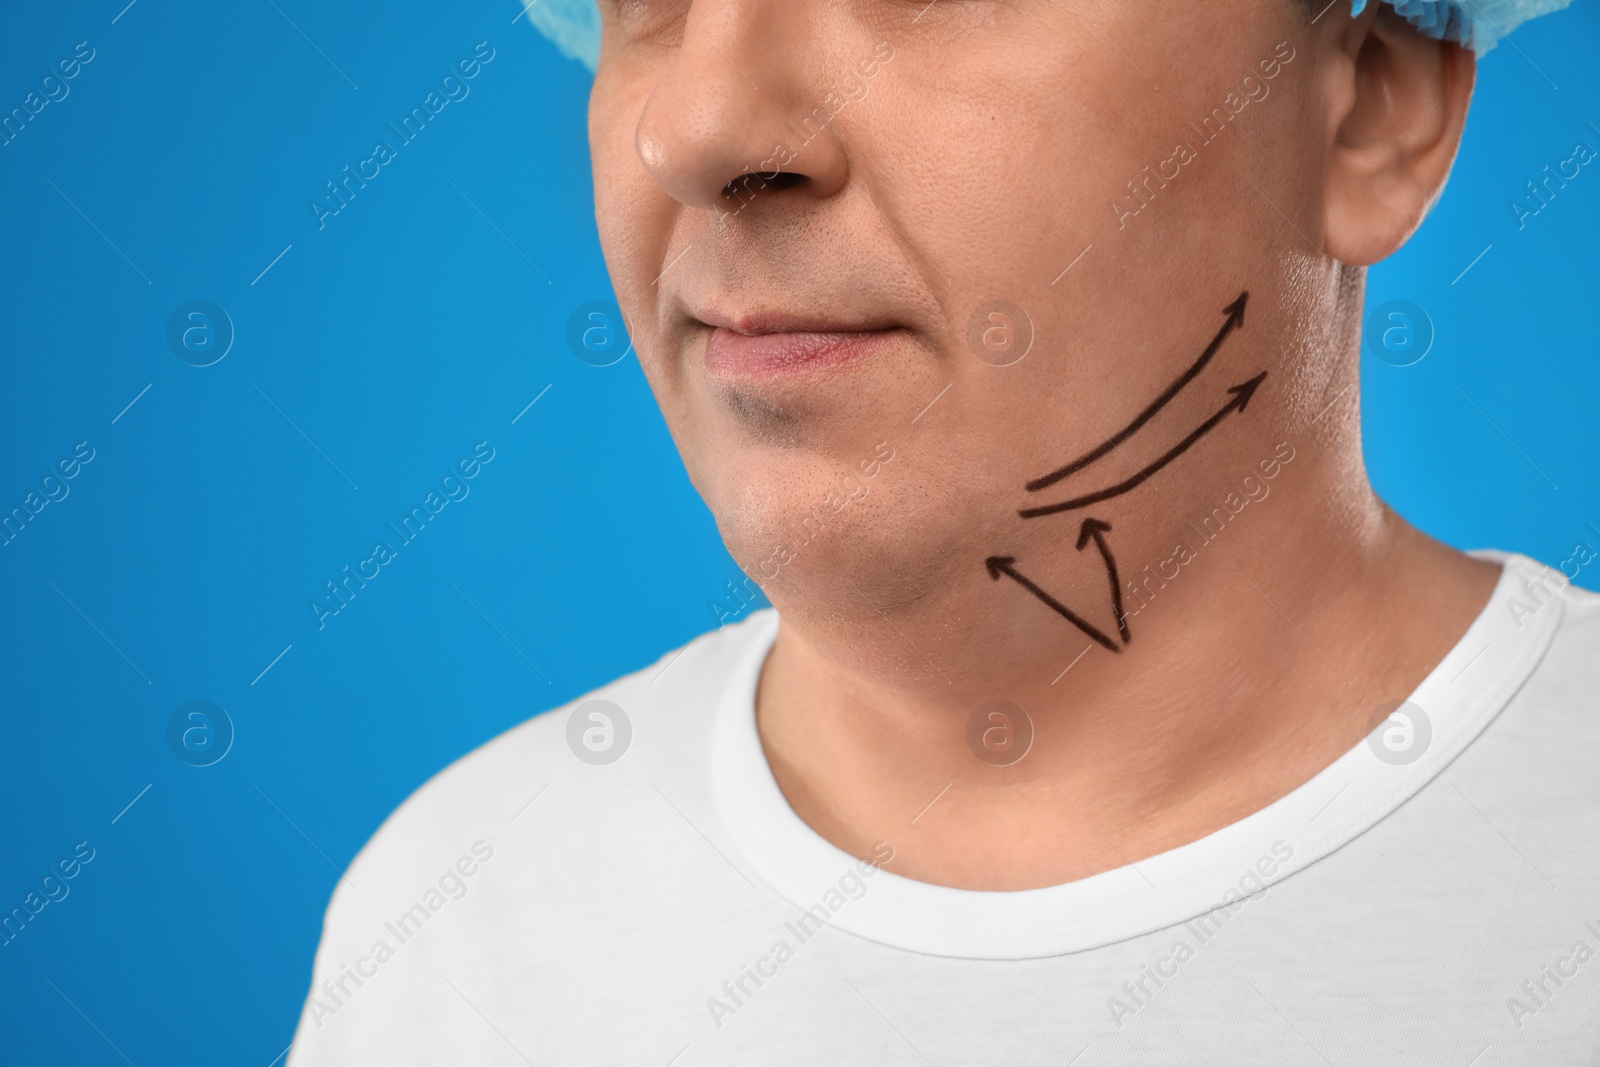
(1398, 111)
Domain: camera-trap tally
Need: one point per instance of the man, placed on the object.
(1111, 718)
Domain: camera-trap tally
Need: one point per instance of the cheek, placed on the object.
(633, 217)
(616, 102)
(1029, 167)
(618, 174)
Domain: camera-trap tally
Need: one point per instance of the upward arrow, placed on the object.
(1235, 320)
(1095, 530)
(1241, 397)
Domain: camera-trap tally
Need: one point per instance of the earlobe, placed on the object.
(1405, 100)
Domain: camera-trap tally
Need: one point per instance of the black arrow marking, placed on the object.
(1095, 529)
(1241, 397)
(1235, 320)
(998, 565)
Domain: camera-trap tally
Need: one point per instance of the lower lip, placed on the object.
(730, 354)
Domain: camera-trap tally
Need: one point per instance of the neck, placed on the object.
(1256, 657)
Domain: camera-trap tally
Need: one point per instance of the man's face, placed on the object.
(919, 192)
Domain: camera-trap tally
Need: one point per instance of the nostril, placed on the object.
(748, 183)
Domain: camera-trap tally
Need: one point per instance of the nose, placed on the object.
(739, 114)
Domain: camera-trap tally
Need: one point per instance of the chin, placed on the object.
(870, 534)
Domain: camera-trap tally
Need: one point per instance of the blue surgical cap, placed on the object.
(1476, 24)
(574, 25)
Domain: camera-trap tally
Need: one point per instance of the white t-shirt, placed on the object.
(1432, 897)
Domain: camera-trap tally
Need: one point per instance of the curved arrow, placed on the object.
(1096, 530)
(1235, 320)
(998, 565)
(1241, 397)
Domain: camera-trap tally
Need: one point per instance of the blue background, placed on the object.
(376, 352)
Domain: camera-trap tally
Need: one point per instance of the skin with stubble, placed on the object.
(913, 163)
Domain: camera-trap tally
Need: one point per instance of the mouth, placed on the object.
(772, 346)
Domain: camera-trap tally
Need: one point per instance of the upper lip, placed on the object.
(752, 323)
